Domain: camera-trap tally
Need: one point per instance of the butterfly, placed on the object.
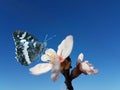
(28, 47)
(52, 59)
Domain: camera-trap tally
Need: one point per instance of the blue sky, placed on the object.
(94, 24)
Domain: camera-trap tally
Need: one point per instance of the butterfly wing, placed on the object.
(65, 48)
(28, 47)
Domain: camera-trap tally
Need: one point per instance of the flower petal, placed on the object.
(87, 68)
(55, 76)
(65, 47)
(50, 54)
(80, 57)
(55, 70)
(40, 68)
(45, 58)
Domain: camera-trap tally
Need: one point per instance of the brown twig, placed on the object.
(69, 76)
(68, 80)
(65, 70)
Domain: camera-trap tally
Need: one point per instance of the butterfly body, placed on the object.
(28, 48)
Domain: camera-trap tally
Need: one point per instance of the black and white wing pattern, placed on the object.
(28, 48)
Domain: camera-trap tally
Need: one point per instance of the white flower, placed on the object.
(47, 66)
(53, 59)
(85, 66)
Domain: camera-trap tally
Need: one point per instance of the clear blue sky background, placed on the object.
(95, 25)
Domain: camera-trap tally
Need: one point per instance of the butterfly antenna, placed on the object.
(51, 38)
(46, 37)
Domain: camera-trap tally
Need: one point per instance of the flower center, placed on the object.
(52, 56)
(60, 58)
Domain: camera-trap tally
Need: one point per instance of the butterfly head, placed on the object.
(45, 42)
(44, 46)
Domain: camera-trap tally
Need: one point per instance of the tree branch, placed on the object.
(65, 70)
